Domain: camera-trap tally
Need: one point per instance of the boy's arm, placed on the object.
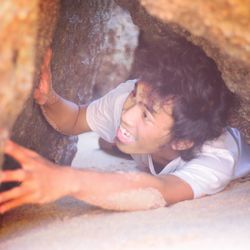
(129, 191)
(66, 117)
(42, 182)
(63, 115)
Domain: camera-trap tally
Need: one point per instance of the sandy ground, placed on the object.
(218, 222)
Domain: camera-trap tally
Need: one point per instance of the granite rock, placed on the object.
(93, 45)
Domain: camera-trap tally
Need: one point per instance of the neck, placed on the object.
(162, 157)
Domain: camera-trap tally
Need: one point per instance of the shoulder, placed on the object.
(225, 146)
(213, 168)
(127, 85)
(103, 114)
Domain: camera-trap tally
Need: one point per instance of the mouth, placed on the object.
(124, 136)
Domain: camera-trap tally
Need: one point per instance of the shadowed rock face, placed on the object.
(18, 58)
(93, 48)
(25, 31)
(224, 23)
(12, 55)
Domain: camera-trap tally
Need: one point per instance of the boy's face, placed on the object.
(144, 127)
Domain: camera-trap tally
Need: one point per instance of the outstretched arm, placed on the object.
(63, 115)
(42, 182)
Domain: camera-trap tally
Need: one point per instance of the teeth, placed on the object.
(125, 132)
(125, 136)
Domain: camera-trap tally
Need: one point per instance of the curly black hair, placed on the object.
(185, 74)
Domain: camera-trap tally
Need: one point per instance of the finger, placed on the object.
(18, 152)
(13, 193)
(39, 97)
(45, 79)
(13, 175)
(48, 56)
(15, 203)
(12, 146)
(44, 85)
(45, 73)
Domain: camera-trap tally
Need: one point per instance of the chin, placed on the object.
(125, 148)
(129, 148)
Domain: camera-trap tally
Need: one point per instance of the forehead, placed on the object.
(152, 100)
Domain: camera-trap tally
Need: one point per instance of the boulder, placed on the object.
(93, 45)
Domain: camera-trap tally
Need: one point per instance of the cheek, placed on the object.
(153, 136)
(147, 135)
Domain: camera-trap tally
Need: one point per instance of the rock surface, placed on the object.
(17, 56)
(224, 23)
(90, 39)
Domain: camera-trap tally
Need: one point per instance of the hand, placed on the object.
(41, 181)
(44, 91)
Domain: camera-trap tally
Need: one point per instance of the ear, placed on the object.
(181, 145)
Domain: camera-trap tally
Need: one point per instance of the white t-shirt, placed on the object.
(220, 161)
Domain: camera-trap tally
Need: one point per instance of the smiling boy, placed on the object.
(172, 120)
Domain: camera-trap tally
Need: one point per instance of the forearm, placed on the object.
(65, 116)
(118, 191)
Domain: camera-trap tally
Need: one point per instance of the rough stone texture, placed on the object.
(93, 49)
(225, 23)
(221, 28)
(93, 46)
(29, 125)
(17, 54)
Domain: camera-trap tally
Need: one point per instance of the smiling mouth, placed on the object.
(124, 136)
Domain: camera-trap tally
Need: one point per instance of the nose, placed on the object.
(130, 116)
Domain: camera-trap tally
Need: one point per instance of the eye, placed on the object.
(146, 115)
(133, 93)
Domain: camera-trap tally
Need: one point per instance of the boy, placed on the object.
(173, 122)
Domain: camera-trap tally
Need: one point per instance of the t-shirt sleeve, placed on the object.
(103, 115)
(208, 173)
